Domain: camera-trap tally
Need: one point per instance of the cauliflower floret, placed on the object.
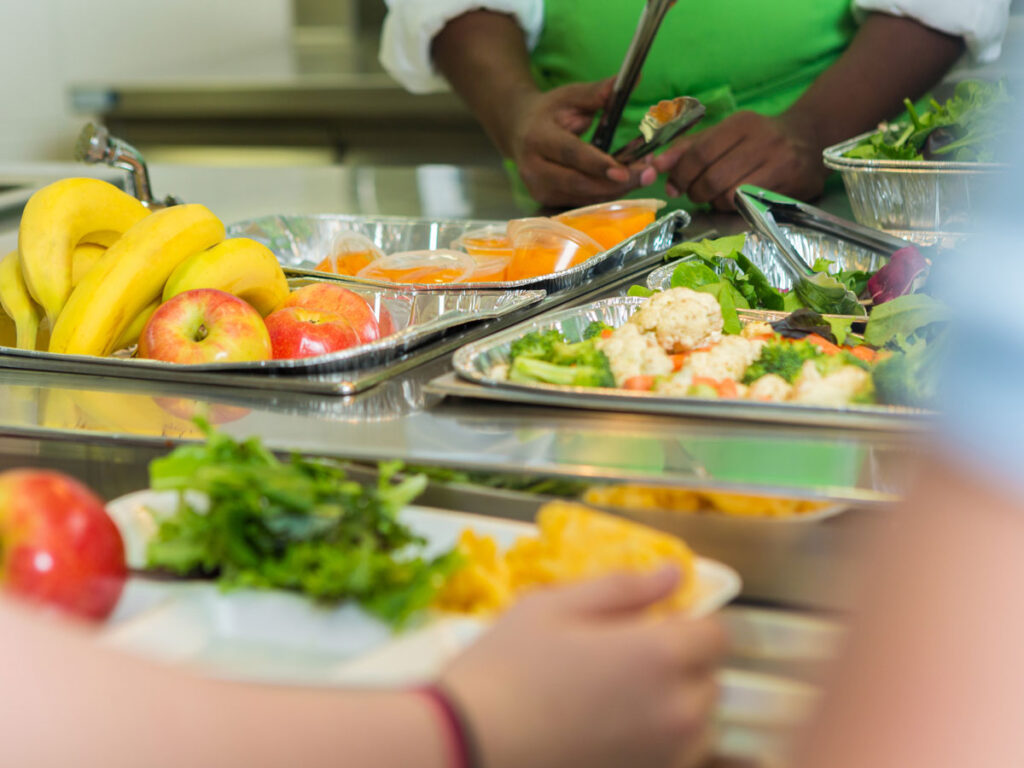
(680, 319)
(757, 328)
(728, 359)
(834, 390)
(631, 353)
(676, 385)
(770, 388)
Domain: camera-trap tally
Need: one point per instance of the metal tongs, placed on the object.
(764, 210)
(96, 145)
(629, 74)
(660, 126)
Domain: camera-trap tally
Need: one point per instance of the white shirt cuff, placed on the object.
(411, 26)
(982, 23)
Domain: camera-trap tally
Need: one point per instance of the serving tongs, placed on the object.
(629, 74)
(764, 210)
(96, 145)
(660, 126)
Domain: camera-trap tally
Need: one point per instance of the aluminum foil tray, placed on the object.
(810, 244)
(302, 242)
(475, 362)
(928, 202)
(421, 319)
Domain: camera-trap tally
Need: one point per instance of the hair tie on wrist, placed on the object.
(458, 734)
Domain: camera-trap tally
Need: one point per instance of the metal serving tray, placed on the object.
(302, 242)
(928, 202)
(810, 244)
(421, 320)
(474, 363)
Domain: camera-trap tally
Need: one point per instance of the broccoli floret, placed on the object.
(783, 358)
(596, 328)
(527, 369)
(537, 345)
(580, 353)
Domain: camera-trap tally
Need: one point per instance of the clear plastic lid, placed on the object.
(349, 252)
(612, 223)
(421, 267)
(492, 240)
(545, 247)
(491, 267)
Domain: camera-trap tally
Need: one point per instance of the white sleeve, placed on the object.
(411, 25)
(982, 23)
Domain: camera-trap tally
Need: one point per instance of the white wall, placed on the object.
(45, 45)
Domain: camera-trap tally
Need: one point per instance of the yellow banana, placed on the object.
(84, 258)
(17, 303)
(130, 276)
(134, 330)
(8, 331)
(55, 220)
(239, 266)
(104, 237)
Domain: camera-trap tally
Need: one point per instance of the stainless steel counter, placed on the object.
(77, 422)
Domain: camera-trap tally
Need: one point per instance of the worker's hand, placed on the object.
(777, 153)
(557, 167)
(583, 676)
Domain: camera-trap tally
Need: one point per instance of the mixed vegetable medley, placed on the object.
(678, 343)
(968, 127)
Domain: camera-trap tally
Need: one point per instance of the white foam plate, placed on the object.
(275, 636)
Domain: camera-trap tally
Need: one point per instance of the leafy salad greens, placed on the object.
(299, 525)
(967, 128)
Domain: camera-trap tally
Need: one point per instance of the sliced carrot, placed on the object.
(824, 345)
(639, 383)
(678, 361)
(725, 388)
(606, 333)
(867, 354)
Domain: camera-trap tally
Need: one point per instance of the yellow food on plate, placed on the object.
(574, 543)
(641, 497)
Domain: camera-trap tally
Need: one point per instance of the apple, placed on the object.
(332, 299)
(299, 332)
(58, 546)
(205, 326)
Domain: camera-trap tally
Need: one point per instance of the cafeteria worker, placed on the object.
(781, 81)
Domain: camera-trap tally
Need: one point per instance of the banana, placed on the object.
(104, 237)
(84, 258)
(17, 303)
(129, 413)
(134, 330)
(55, 220)
(239, 266)
(8, 331)
(130, 276)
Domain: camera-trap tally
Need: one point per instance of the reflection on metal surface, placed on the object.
(475, 362)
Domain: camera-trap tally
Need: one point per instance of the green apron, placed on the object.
(731, 54)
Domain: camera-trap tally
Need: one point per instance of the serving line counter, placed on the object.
(106, 429)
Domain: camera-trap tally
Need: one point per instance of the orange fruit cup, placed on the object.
(612, 223)
(545, 247)
(421, 268)
(486, 241)
(350, 253)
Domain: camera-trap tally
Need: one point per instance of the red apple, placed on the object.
(299, 332)
(57, 544)
(205, 326)
(332, 299)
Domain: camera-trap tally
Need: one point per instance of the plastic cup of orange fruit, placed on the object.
(486, 241)
(612, 223)
(421, 267)
(545, 247)
(350, 252)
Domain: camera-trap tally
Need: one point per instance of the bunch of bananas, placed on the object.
(93, 264)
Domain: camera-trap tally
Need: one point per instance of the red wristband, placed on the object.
(460, 740)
